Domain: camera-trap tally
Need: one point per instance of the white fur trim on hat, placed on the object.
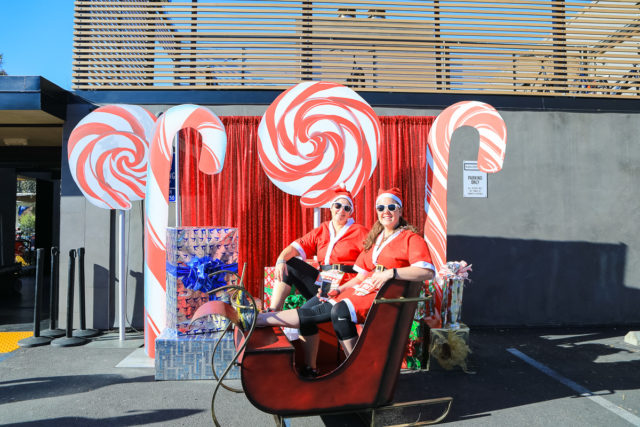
(391, 196)
(343, 197)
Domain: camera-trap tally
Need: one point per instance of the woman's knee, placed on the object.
(312, 302)
(342, 323)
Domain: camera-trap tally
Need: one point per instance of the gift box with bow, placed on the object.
(193, 255)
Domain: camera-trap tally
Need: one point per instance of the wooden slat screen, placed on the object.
(526, 47)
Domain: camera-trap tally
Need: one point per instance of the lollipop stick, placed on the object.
(316, 217)
(122, 278)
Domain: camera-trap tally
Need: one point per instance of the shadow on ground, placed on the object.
(596, 359)
(136, 419)
(33, 388)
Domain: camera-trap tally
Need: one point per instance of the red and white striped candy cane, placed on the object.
(107, 152)
(493, 139)
(214, 144)
(315, 136)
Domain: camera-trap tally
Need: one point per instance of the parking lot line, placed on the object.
(576, 387)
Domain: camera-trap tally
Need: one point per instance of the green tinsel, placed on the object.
(294, 301)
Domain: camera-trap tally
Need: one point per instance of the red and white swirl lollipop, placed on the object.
(107, 153)
(493, 140)
(214, 145)
(317, 135)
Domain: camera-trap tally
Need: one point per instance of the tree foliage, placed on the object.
(27, 223)
(26, 186)
(2, 72)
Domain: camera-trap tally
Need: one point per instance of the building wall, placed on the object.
(7, 215)
(554, 243)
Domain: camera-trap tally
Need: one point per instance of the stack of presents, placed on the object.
(184, 348)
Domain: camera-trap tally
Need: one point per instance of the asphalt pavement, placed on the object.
(581, 376)
(523, 377)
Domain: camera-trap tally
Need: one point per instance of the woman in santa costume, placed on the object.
(392, 249)
(336, 243)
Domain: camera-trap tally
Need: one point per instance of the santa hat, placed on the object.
(342, 193)
(392, 193)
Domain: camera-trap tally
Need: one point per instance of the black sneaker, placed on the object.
(308, 372)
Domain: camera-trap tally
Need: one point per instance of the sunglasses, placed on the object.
(339, 206)
(392, 207)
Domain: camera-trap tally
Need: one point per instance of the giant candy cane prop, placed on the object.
(214, 144)
(493, 139)
(107, 153)
(315, 136)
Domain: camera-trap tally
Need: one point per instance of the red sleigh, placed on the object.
(365, 381)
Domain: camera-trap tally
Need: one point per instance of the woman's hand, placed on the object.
(281, 262)
(281, 270)
(334, 293)
(379, 278)
(351, 283)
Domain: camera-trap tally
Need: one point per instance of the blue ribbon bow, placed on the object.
(195, 274)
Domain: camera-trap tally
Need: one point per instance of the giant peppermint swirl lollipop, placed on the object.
(317, 135)
(108, 155)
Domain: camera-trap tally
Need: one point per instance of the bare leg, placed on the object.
(280, 292)
(348, 345)
(288, 318)
(310, 346)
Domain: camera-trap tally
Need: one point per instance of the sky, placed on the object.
(36, 39)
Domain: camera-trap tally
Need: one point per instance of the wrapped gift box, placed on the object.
(186, 243)
(415, 354)
(192, 254)
(293, 300)
(449, 348)
(188, 357)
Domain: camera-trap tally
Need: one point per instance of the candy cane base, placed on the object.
(151, 332)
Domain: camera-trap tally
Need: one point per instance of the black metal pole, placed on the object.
(68, 340)
(83, 320)
(38, 300)
(70, 291)
(36, 339)
(53, 331)
(53, 303)
(83, 331)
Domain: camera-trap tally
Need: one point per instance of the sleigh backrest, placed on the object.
(383, 339)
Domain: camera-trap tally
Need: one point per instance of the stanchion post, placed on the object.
(68, 340)
(53, 331)
(70, 291)
(55, 260)
(38, 296)
(83, 331)
(83, 319)
(36, 340)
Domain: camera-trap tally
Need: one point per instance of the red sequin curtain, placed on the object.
(268, 219)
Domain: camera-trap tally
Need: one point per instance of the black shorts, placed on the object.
(311, 313)
(302, 276)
